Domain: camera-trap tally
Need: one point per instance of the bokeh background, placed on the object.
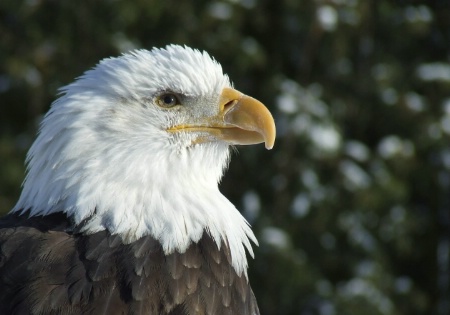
(352, 206)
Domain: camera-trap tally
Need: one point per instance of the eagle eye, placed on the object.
(168, 100)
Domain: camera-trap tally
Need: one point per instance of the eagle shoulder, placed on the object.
(46, 267)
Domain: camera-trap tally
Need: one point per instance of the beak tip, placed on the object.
(269, 136)
(269, 146)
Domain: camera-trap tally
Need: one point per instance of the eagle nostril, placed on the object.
(230, 104)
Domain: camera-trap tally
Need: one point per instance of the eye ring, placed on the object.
(168, 100)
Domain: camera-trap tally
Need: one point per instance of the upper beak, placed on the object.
(241, 120)
(250, 121)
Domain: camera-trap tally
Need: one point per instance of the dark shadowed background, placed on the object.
(352, 206)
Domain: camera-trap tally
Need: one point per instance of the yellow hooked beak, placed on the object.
(241, 120)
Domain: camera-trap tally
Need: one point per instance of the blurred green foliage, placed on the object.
(352, 207)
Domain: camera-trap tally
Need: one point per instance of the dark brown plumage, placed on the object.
(46, 267)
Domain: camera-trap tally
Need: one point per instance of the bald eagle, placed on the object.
(120, 211)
